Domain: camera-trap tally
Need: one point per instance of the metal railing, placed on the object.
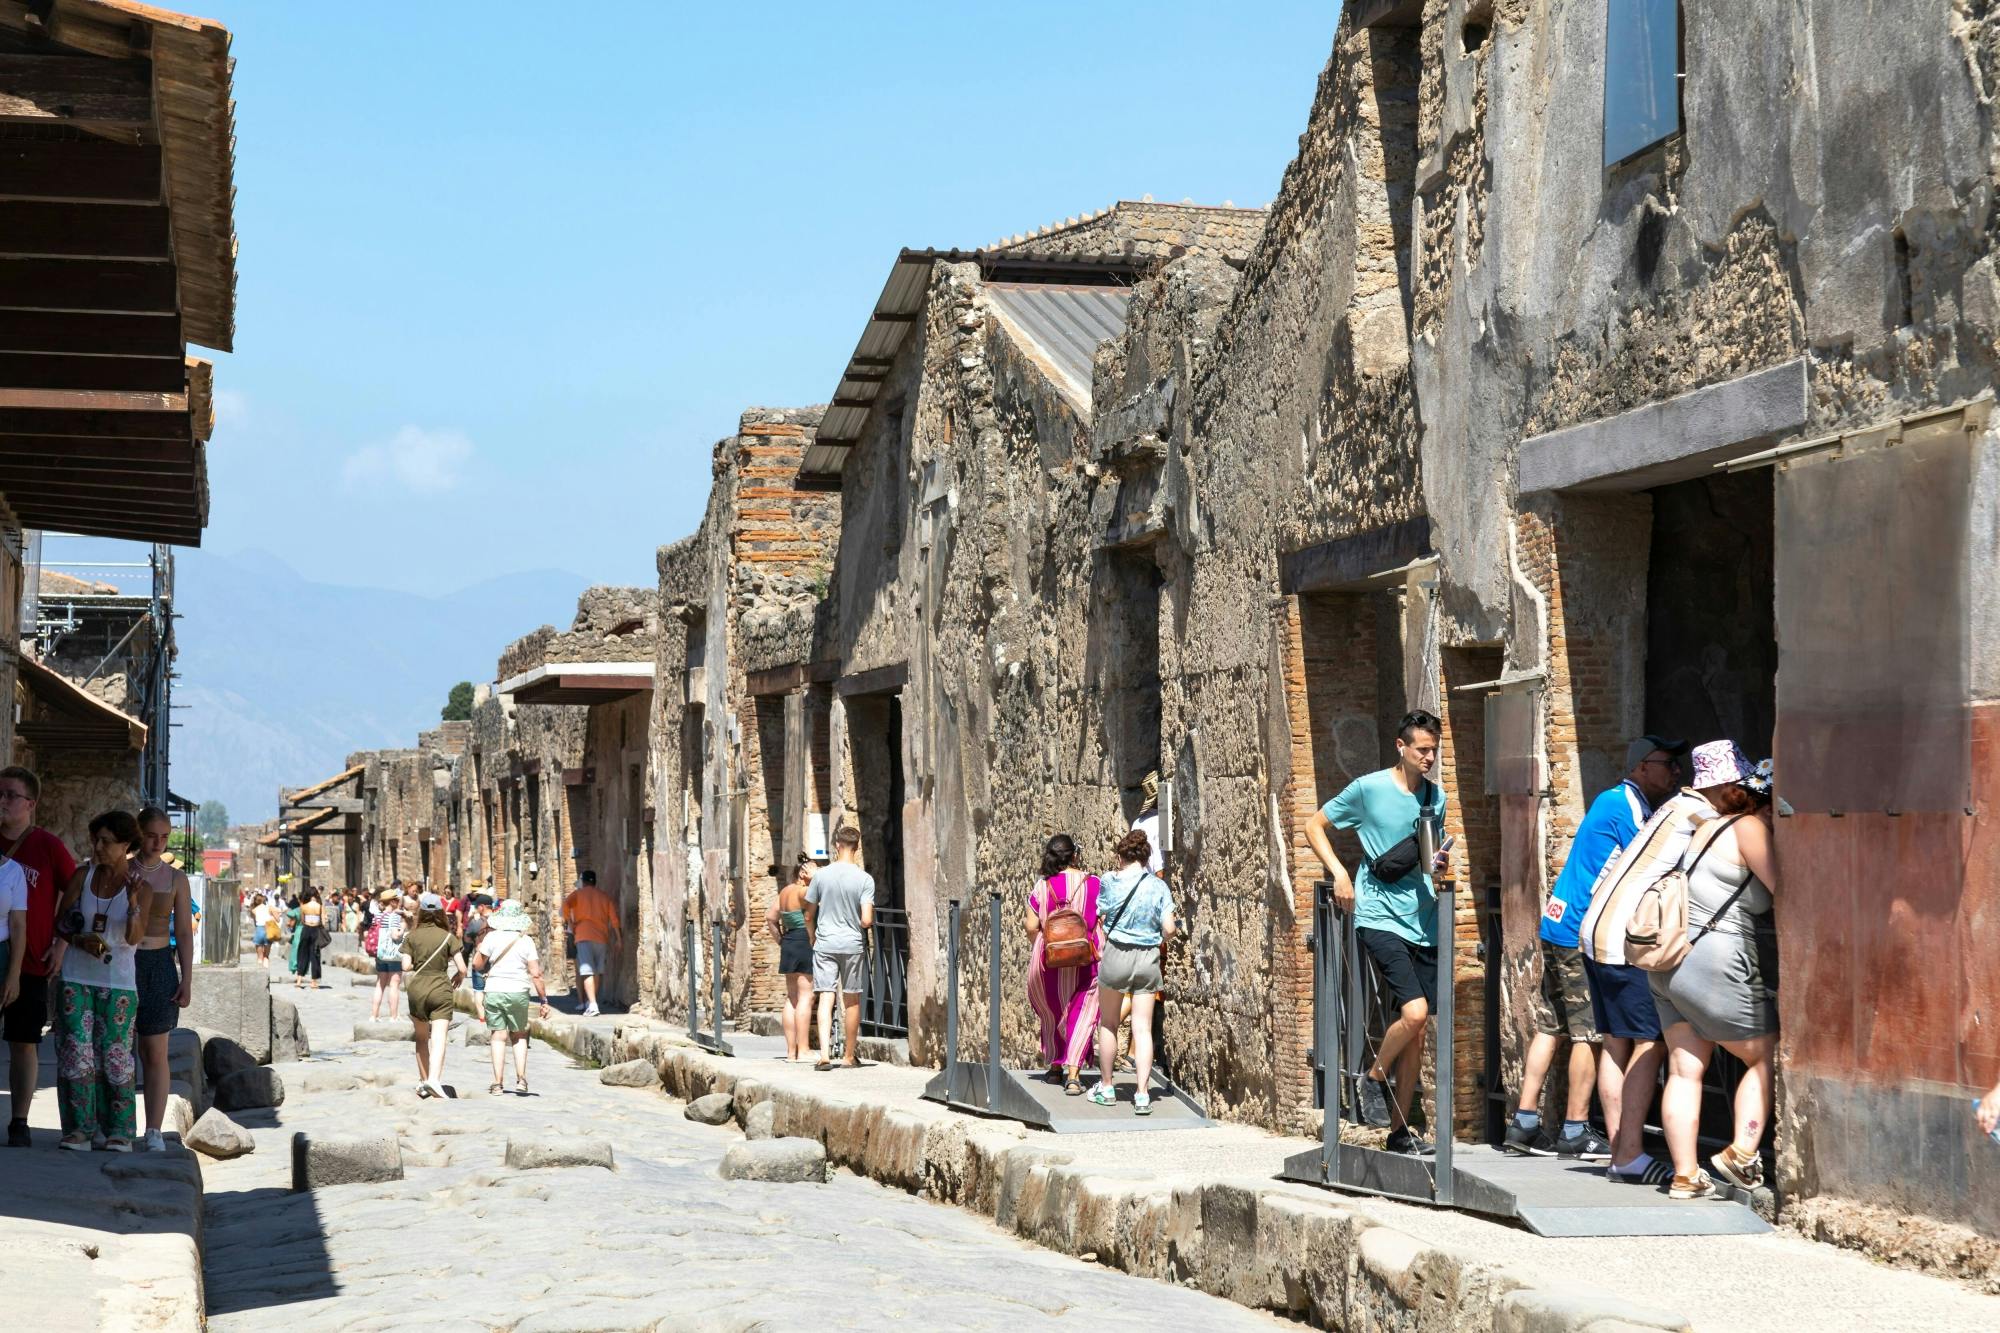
(1350, 1012)
(885, 1004)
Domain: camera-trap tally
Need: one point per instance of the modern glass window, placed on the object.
(1642, 65)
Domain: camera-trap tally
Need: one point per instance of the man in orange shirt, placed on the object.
(592, 919)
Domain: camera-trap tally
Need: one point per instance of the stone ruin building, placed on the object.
(1564, 403)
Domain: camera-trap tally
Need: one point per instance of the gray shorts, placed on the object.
(837, 971)
(1130, 968)
(589, 958)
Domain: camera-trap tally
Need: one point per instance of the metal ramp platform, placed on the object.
(1550, 1197)
(991, 1088)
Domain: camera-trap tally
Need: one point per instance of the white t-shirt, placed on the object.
(510, 974)
(13, 892)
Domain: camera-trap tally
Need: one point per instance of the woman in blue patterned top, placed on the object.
(1137, 916)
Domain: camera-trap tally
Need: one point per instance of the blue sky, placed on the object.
(507, 271)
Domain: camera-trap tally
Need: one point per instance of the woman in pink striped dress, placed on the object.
(1065, 999)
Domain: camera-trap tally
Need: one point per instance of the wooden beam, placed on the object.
(114, 286)
(37, 228)
(91, 421)
(91, 335)
(79, 171)
(86, 454)
(102, 94)
(178, 493)
(51, 370)
(134, 525)
(862, 403)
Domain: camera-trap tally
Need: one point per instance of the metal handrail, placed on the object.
(885, 1008)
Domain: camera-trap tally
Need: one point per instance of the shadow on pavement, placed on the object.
(265, 1247)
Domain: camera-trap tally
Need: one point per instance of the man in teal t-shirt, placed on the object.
(1395, 920)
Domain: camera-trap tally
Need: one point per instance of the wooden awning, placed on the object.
(62, 716)
(117, 249)
(579, 682)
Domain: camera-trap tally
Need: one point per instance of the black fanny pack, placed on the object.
(1401, 859)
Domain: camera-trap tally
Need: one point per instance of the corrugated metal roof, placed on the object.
(1065, 324)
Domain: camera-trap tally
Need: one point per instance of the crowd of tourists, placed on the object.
(1656, 943)
(105, 952)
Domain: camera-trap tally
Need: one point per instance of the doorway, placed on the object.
(875, 724)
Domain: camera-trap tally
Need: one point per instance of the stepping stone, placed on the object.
(385, 1029)
(631, 1074)
(781, 1161)
(318, 1162)
(216, 1135)
(249, 1089)
(536, 1155)
(717, 1108)
(762, 1122)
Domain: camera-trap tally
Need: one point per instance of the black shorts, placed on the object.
(795, 952)
(25, 1020)
(158, 979)
(1410, 969)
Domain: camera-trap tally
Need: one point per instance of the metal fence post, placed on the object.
(715, 965)
(1445, 1095)
(694, 982)
(951, 996)
(1327, 1016)
(993, 1007)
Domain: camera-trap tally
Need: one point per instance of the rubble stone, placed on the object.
(784, 1161)
(216, 1135)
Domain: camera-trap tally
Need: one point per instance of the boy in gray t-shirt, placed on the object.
(840, 907)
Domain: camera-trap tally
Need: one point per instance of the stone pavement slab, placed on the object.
(662, 1241)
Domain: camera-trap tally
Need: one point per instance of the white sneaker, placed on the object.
(590, 1011)
(1142, 1103)
(153, 1142)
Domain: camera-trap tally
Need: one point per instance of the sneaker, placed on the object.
(75, 1143)
(1524, 1142)
(1697, 1186)
(1744, 1172)
(18, 1136)
(1584, 1147)
(1142, 1103)
(1375, 1103)
(1654, 1173)
(1410, 1143)
(1103, 1095)
(153, 1142)
(118, 1143)
(590, 1011)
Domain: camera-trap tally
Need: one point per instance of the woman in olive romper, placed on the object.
(431, 961)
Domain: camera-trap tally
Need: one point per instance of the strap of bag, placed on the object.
(504, 951)
(1728, 902)
(1112, 924)
(440, 949)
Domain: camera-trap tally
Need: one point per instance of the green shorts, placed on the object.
(507, 1012)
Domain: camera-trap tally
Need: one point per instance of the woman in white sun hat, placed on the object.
(1725, 991)
(507, 958)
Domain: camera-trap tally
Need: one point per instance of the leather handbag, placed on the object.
(1066, 940)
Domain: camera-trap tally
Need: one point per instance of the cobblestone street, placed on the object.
(662, 1242)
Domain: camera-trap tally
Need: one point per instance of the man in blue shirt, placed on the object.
(1571, 1004)
(1395, 918)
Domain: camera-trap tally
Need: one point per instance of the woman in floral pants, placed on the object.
(100, 922)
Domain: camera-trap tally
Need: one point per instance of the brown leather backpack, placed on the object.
(1066, 940)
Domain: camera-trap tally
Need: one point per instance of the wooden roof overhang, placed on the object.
(579, 682)
(117, 250)
(68, 717)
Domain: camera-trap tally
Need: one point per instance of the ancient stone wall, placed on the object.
(1144, 229)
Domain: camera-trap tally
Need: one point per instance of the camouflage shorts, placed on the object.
(1562, 1004)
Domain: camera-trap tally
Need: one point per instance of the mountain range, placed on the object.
(281, 678)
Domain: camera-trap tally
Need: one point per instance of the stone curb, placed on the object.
(1289, 1250)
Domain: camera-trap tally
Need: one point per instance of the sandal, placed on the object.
(117, 1143)
(495, 1090)
(1697, 1186)
(521, 1086)
(1745, 1171)
(1073, 1087)
(75, 1142)
(424, 1090)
